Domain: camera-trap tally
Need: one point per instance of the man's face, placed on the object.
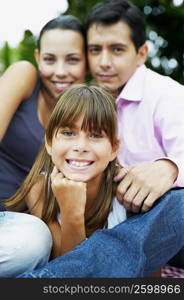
(112, 55)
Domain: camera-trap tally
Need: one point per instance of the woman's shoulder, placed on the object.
(24, 73)
(23, 65)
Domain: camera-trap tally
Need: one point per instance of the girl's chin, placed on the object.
(76, 178)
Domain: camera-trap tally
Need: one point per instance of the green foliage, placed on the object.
(5, 57)
(80, 8)
(26, 47)
(166, 20)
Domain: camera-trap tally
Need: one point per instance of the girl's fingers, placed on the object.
(55, 172)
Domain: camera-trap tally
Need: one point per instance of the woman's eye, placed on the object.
(48, 59)
(73, 59)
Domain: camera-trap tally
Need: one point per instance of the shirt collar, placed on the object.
(133, 90)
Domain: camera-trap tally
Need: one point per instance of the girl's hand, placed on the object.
(70, 195)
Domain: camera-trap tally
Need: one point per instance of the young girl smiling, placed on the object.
(70, 186)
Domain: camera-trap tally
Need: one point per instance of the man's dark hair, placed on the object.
(110, 12)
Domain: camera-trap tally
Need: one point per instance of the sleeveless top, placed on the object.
(20, 145)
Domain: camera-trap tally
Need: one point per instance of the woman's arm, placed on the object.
(16, 84)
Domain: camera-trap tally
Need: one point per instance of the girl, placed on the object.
(70, 186)
(27, 97)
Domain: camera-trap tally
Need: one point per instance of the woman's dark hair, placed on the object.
(110, 12)
(63, 22)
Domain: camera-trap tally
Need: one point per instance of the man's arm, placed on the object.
(144, 183)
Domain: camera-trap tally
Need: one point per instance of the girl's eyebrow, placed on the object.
(71, 126)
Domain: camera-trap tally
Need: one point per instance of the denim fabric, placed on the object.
(25, 243)
(137, 247)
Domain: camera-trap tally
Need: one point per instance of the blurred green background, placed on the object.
(165, 36)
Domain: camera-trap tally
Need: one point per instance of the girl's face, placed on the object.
(80, 155)
(61, 60)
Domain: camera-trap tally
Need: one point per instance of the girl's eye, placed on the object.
(96, 135)
(67, 133)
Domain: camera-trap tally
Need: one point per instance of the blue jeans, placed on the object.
(135, 248)
(25, 243)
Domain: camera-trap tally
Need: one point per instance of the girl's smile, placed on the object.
(79, 164)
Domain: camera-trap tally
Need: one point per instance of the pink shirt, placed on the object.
(151, 120)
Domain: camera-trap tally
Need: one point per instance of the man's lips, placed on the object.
(106, 77)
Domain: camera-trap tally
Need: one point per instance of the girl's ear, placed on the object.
(48, 146)
(115, 150)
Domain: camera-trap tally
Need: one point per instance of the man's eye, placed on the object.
(117, 50)
(94, 50)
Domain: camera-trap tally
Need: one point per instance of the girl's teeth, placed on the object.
(78, 163)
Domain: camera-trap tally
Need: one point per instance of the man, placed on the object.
(149, 106)
(141, 245)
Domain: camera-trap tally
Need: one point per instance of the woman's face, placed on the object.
(80, 155)
(61, 60)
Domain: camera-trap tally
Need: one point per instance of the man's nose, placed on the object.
(105, 59)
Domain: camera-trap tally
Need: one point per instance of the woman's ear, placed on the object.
(37, 56)
(48, 146)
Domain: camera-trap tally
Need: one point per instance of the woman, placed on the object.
(27, 97)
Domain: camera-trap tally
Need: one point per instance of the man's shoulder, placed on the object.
(158, 84)
(162, 79)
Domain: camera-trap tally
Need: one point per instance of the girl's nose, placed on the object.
(81, 145)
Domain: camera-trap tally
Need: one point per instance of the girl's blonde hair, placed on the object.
(98, 108)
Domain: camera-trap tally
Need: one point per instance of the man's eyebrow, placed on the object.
(94, 45)
(118, 45)
(111, 45)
